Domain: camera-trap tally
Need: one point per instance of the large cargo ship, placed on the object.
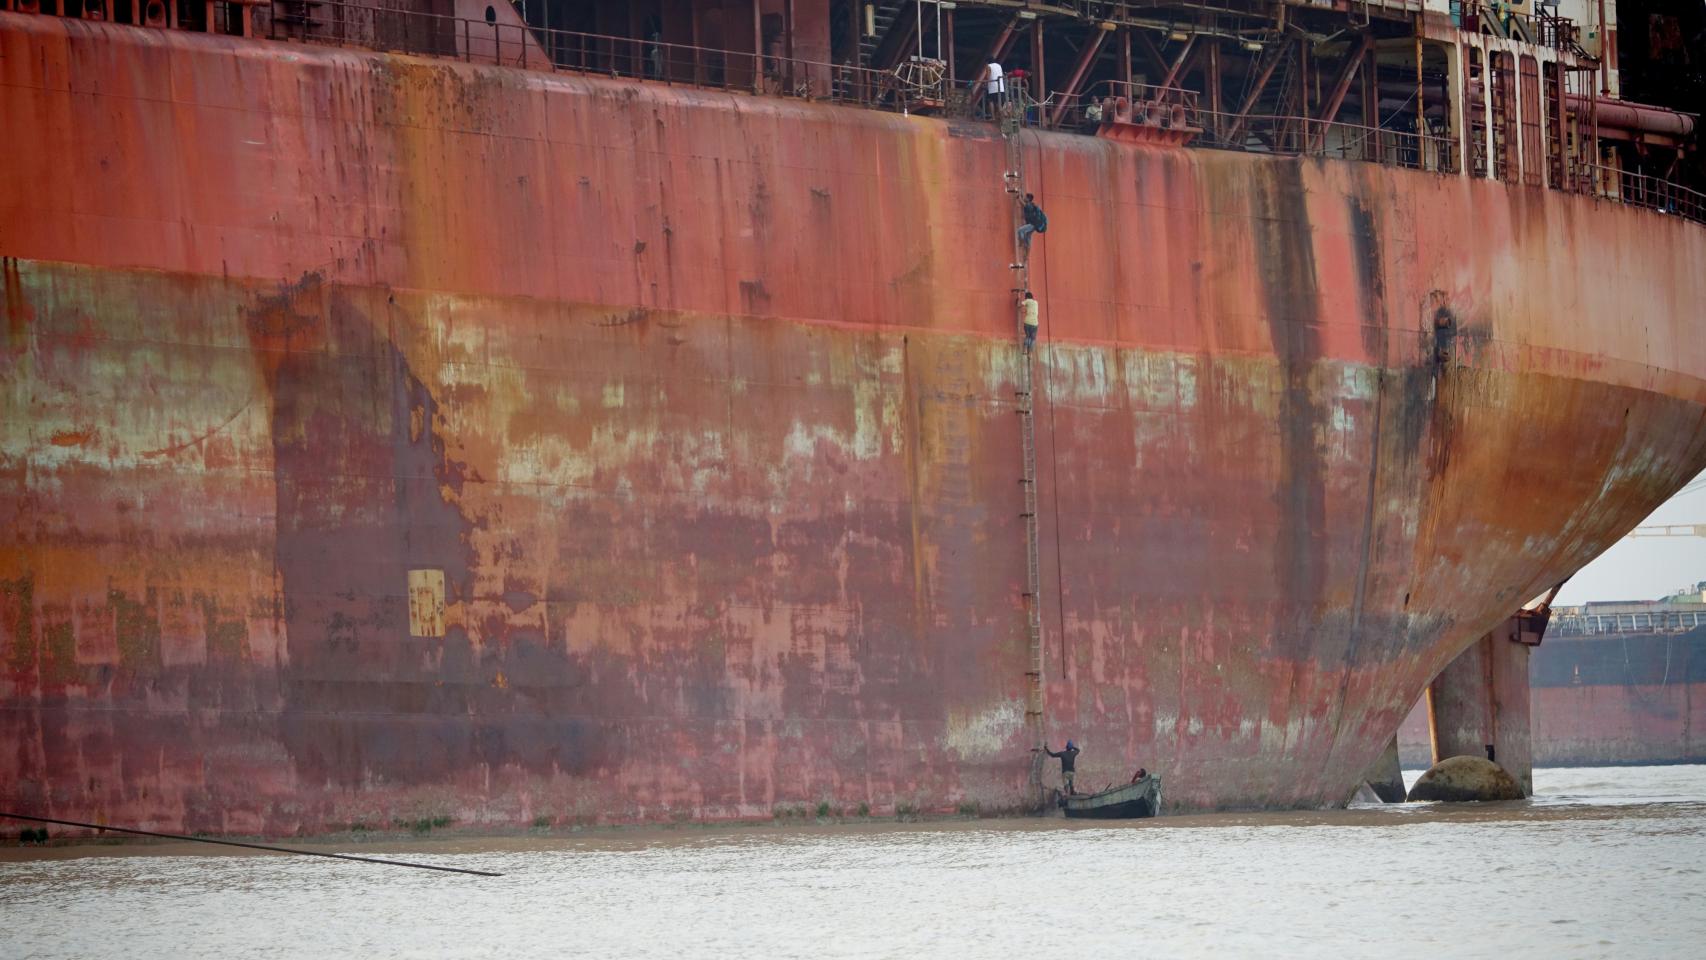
(1613, 683)
(611, 413)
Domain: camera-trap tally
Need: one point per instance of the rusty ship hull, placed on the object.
(390, 439)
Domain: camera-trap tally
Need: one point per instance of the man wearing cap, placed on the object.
(1068, 759)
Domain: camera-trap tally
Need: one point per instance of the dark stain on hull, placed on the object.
(1368, 260)
(1285, 253)
(365, 494)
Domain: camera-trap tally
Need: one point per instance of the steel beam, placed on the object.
(1037, 59)
(1152, 52)
(1342, 85)
(1371, 103)
(1256, 89)
(1125, 58)
(757, 46)
(902, 33)
(947, 43)
(1179, 61)
(1213, 83)
(1003, 41)
(1422, 107)
(1086, 56)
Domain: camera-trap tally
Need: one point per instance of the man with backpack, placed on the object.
(1035, 222)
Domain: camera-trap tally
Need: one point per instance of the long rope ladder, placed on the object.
(1012, 122)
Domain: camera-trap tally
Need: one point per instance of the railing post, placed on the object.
(757, 47)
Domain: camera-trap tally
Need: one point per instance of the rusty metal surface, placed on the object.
(701, 406)
(1621, 698)
(1481, 700)
(1591, 725)
(1630, 698)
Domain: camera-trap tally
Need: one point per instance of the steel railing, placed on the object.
(1641, 190)
(915, 86)
(1600, 624)
(1308, 136)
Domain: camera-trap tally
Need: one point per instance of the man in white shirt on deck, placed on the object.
(994, 85)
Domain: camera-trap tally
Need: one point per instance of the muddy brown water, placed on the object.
(1607, 862)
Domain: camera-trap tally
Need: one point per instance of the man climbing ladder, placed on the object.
(1028, 314)
(1036, 221)
(1013, 180)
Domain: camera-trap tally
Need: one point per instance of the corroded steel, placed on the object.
(701, 406)
(1479, 705)
(1619, 698)
(1627, 699)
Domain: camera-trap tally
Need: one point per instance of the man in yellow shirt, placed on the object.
(1028, 313)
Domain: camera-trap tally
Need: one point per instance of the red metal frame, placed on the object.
(1533, 159)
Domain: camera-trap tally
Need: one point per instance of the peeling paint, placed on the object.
(731, 522)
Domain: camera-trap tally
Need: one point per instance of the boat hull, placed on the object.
(1133, 801)
(395, 441)
(1638, 698)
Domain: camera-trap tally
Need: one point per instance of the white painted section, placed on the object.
(986, 734)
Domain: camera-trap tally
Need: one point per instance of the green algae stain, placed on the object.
(17, 614)
(136, 628)
(59, 654)
(226, 639)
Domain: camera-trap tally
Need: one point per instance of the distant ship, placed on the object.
(448, 413)
(1613, 683)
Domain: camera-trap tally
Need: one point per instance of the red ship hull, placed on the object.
(392, 440)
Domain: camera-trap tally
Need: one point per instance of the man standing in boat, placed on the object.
(1068, 759)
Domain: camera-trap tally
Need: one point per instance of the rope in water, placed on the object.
(250, 846)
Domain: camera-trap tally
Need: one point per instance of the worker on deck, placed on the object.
(1035, 222)
(1093, 116)
(994, 85)
(1028, 313)
(1139, 775)
(1016, 83)
(1068, 759)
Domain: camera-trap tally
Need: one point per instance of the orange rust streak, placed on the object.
(703, 408)
(72, 438)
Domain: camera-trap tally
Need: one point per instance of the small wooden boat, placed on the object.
(1127, 802)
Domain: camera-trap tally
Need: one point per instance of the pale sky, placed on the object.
(1646, 569)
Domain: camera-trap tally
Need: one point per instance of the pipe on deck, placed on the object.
(1637, 117)
(1617, 114)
